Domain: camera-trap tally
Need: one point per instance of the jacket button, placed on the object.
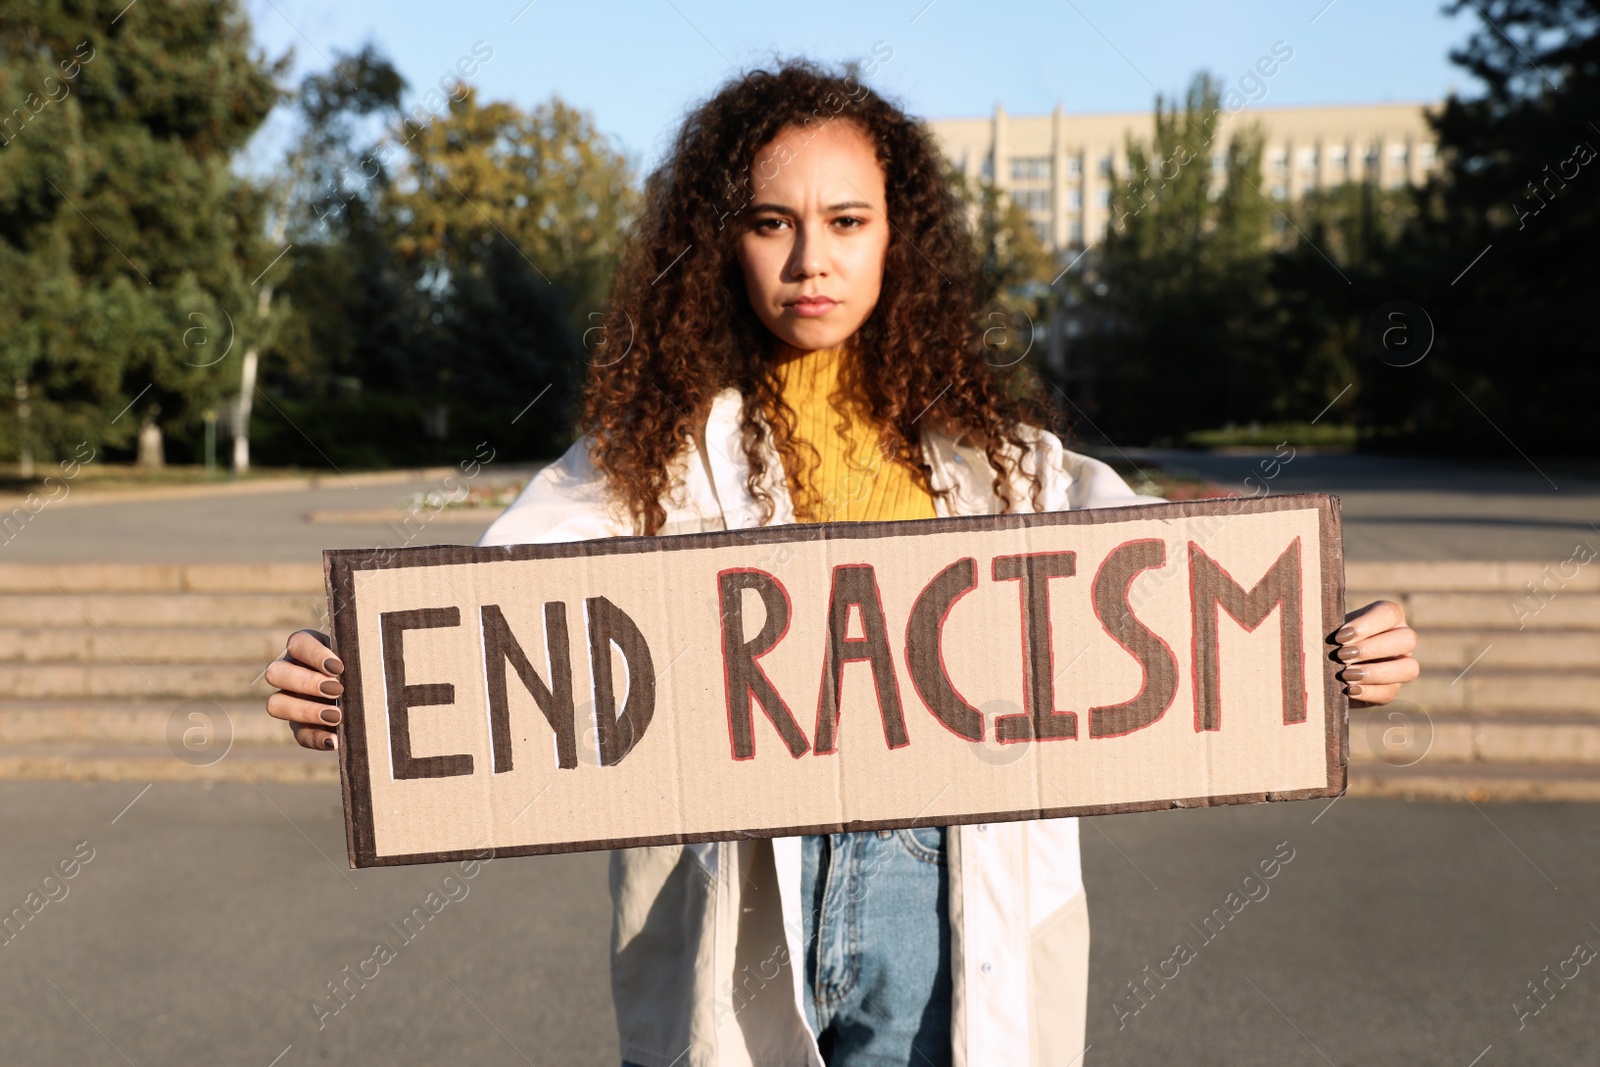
(986, 968)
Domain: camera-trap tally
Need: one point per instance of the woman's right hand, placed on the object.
(307, 678)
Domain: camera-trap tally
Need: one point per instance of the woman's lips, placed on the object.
(813, 308)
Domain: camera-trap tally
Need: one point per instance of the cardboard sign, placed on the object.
(836, 677)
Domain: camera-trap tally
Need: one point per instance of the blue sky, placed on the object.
(638, 65)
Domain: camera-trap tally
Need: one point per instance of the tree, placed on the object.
(1501, 255)
(1015, 269)
(126, 243)
(1175, 300)
(444, 274)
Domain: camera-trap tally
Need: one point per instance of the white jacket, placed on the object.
(703, 934)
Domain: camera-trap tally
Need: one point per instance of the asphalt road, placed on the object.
(208, 922)
(1394, 508)
(1416, 508)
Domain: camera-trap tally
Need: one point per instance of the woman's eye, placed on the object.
(766, 225)
(856, 223)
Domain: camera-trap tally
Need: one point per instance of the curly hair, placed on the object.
(679, 296)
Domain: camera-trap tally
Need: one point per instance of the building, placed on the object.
(1062, 167)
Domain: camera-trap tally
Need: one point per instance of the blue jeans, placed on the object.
(877, 947)
(877, 937)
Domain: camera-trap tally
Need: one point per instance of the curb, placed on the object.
(155, 763)
(334, 480)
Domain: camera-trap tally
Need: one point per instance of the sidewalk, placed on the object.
(254, 522)
(1394, 509)
(1407, 508)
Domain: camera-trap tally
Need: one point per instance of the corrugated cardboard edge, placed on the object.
(340, 565)
(354, 784)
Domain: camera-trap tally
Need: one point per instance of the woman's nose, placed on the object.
(808, 259)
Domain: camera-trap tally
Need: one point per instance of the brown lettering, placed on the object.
(743, 679)
(609, 625)
(925, 649)
(1159, 686)
(855, 585)
(1039, 719)
(1211, 587)
(554, 700)
(392, 626)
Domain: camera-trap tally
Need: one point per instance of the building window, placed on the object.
(1103, 198)
(1074, 199)
(1278, 158)
(1105, 166)
(988, 168)
(1030, 169)
(1280, 191)
(1219, 164)
(1032, 199)
(1425, 155)
(1397, 165)
(1337, 160)
(1308, 161)
(1074, 166)
(1043, 230)
(1075, 232)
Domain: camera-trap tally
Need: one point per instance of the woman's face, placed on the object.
(812, 240)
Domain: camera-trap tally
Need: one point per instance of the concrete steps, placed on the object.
(150, 672)
(1508, 705)
(154, 671)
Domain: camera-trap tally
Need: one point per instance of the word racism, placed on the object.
(855, 597)
(1252, 890)
(1582, 153)
(342, 989)
(33, 103)
(52, 890)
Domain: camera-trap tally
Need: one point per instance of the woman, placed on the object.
(793, 338)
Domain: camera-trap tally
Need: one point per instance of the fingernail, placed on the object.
(330, 716)
(1353, 674)
(1345, 635)
(331, 688)
(333, 665)
(1353, 690)
(333, 742)
(1348, 653)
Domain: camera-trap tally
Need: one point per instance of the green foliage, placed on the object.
(1176, 300)
(121, 225)
(446, 277)
(1015, 261)
(1516, 354)
(1212, 306)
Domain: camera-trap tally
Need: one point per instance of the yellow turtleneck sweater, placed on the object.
(855, 480)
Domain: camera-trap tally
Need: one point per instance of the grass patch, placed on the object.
(1328, 436)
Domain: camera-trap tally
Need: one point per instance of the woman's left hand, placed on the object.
(1375, 645)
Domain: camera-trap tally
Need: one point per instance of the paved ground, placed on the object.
(209, 920)
(1393, 509)
(270, 526)
(1407, 508)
